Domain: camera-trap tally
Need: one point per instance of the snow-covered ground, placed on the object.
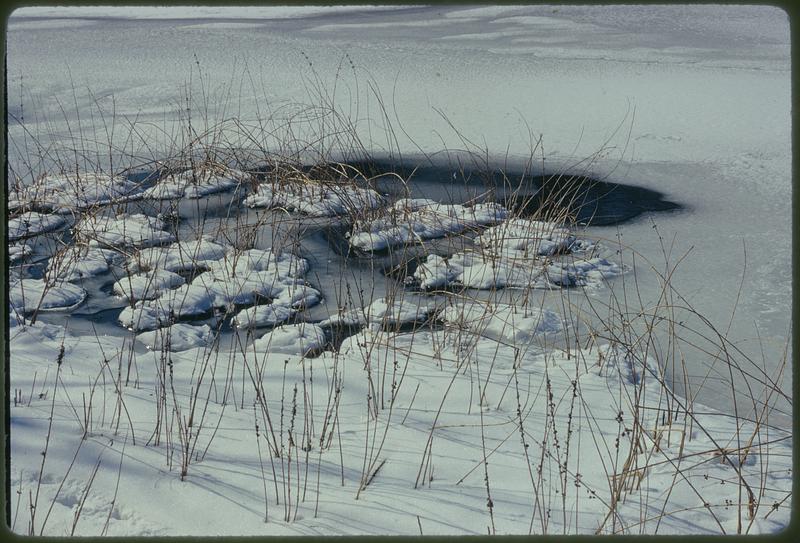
(496, 413)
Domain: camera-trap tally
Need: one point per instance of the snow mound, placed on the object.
(123, 230)
(32, 223)
(28, 295)
(297, 295)
(412, 220)
(69, 192)
(282, 264)
(178, 256)
(300, 339)
(526, 238)
(185, 301)
(263, 315)
(314, 198)
(384, 311)
(18, 252)
(178, 337)
(482, 271)
(77, 262)
(228, 283)
(149, 285)
(195, 184)
(501, 322)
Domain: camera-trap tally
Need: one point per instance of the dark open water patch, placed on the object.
(582, 199)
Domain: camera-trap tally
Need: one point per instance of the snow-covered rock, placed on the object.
(300, 339)
(526, 238)
(78, 262)
(178, 256)
(411, 220)
(384, 311)
(65, 193)
(148, 285)
(18, 252)
(28, 295)
(263, 315)
(123, 230)
(502, 322)
(195, 184)
(178, 337)
(314, 198)
(32, 223)
(188, 300)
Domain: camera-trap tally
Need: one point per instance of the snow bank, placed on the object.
(504, 323)
(32, 223)
(282, 264)
(28, 295)
(69, 192)
(185, 301)
(525, 238)
(178, 256)
(77, 262)
(482, 271)
(178, 337)
(123, 230)
(263, 315)
(384, 311)
(148, 285)
(299, 339)
(239, 279)
(195, 184)
(412, 220)
(518, 253)
(18, 252)
(314, 198)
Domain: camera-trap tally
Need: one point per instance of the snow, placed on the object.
(18, 252)
(314, 198)
(386, 312)
(410, 220)
(195, 184)
(148, 285)
(30, 295)
(178, 256)
(503, 323)
(509, 257)
(135, 230)
(301, 339)
(76, 263)
(65, 193)
(178, 337)
(506, 403)
(527, 238)
(263, 315)
(32, 223)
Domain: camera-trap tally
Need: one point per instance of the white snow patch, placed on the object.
(178, 337)
(417, 219)
(28, 295)
(123, 230)
(65, 193)
(78, 262)
(314, 198)
(501, 322)
(263, 315)
(300, 339)
(195, 184)
(148, 285)
(178, 256)
(32, 223)
(384, 311)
